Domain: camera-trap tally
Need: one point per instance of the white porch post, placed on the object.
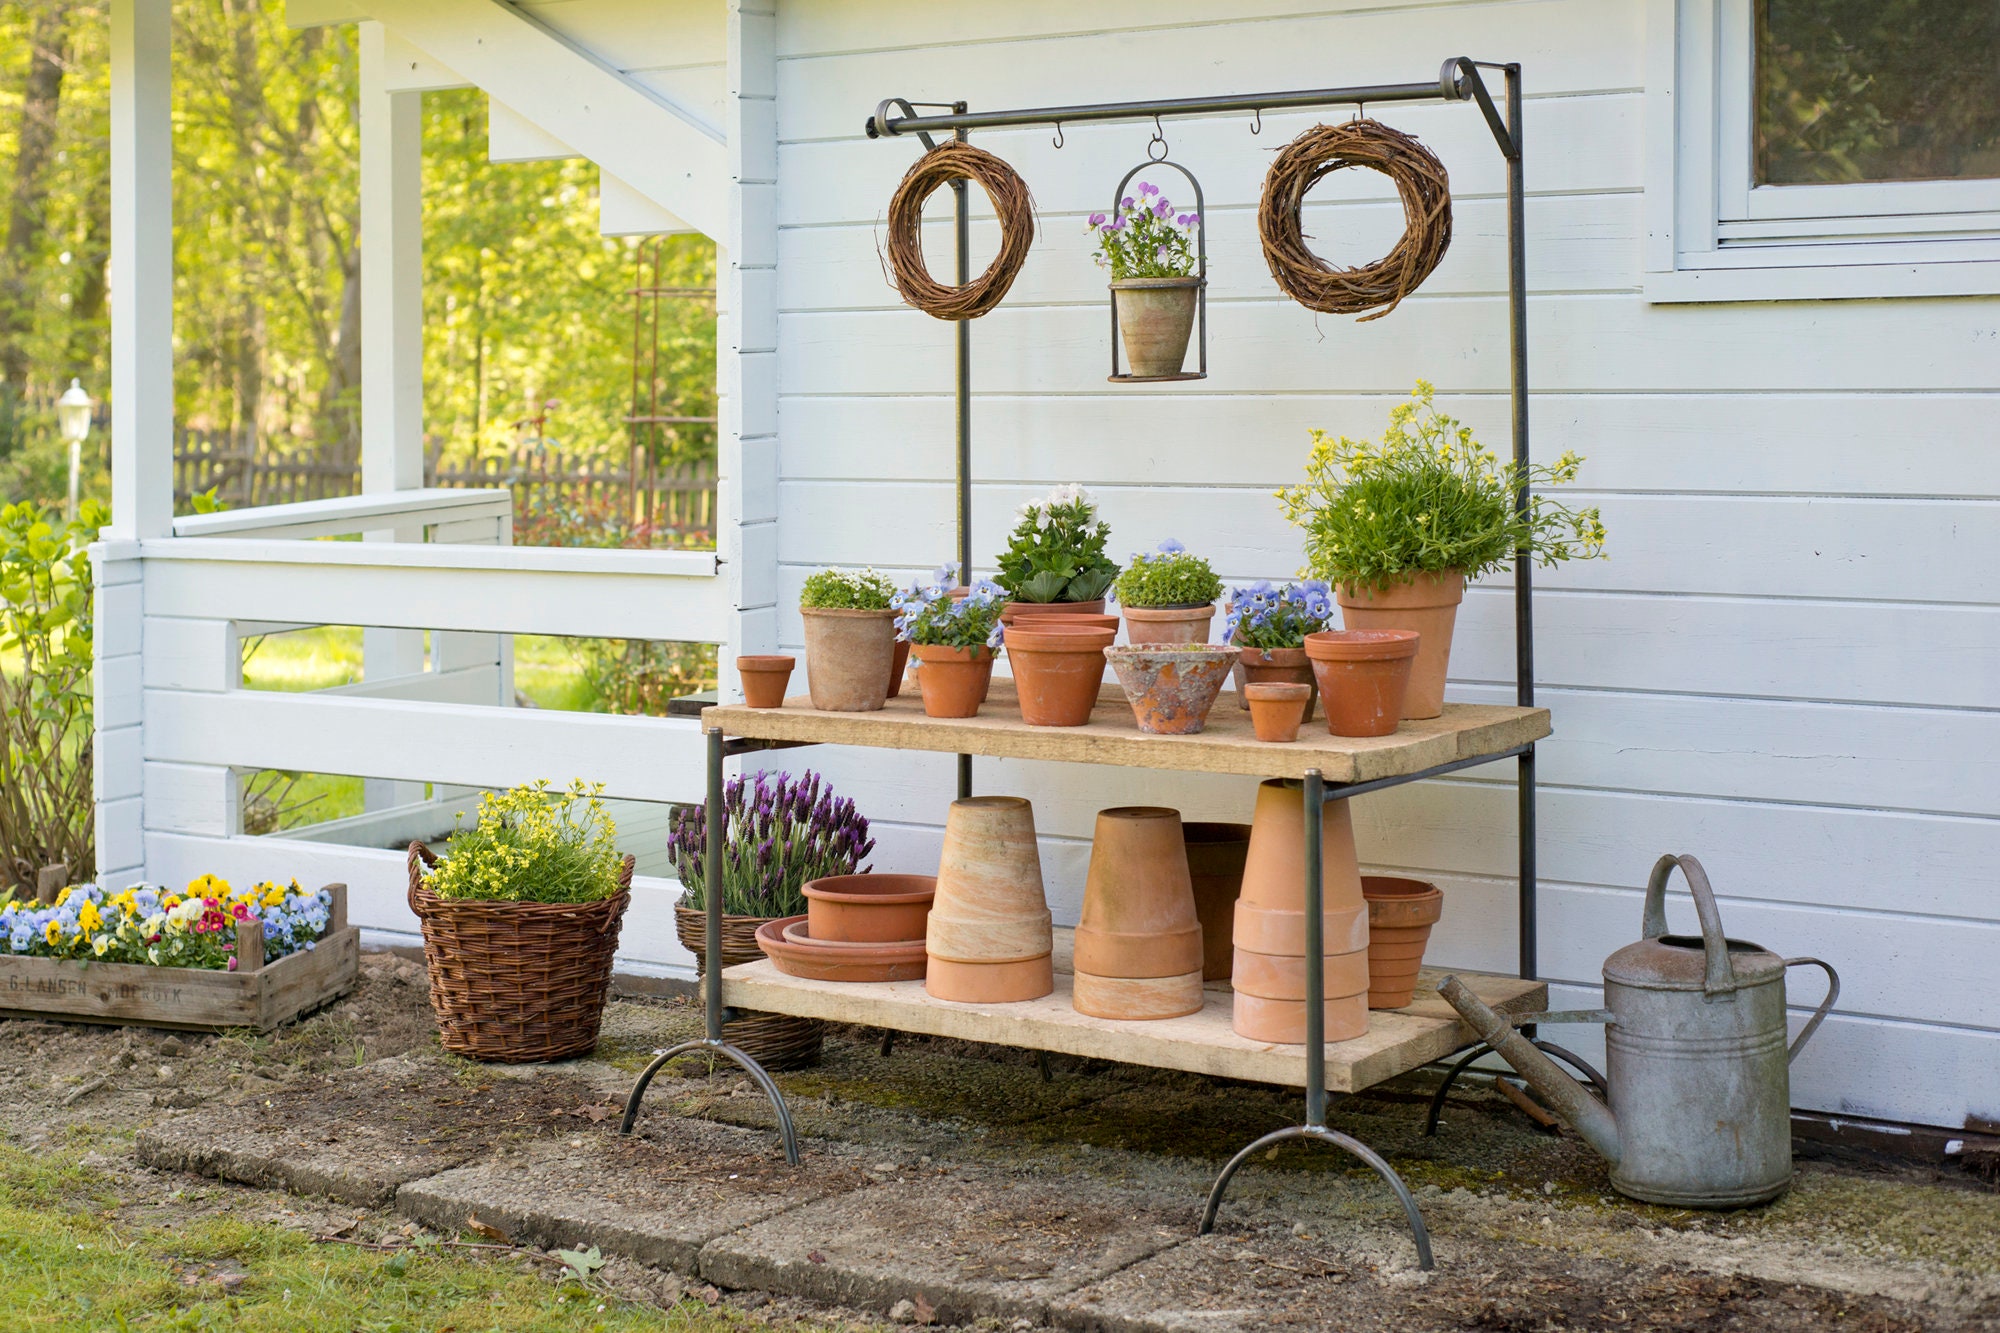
(392, 338)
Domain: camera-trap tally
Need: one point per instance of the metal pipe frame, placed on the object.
(1480, 1048)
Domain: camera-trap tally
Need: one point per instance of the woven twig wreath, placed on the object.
(950, 161)
(1420, 180)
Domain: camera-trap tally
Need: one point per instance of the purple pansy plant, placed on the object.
(1145, 238)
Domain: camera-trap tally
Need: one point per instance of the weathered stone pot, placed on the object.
(1428, 604)
(764, 676)
(1401, 912)
(1138, 944)
(954, 680)
(848, 656)
(1187, 623)
(1171, 690)
(1155, 319)
(1364, 676)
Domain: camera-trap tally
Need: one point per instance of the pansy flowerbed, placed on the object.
(150, 925)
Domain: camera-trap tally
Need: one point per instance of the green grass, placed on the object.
(67, 1262)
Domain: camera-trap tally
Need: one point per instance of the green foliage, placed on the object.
(1056, 551)
(639, 677)
(45, 693)
(847, 590)
(1173, 576)
(1427, 499)
(532, 845)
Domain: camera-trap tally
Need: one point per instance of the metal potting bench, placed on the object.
(1329, 768)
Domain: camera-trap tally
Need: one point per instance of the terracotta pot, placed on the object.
(869, 909)
(1095, 621)
(788, 943)
(897, 665)
(1171, 690)
(955, 680)
(847, 658)
(1277, 708)
(1401, 912)
(1058, 671)
(1270, 930)
(1283, 1022)
(1215, 855)
(1260, 666)
(1427, 604)
(1155, 319)
(1277, 976)
(1364, 676)
(989, 909)
(1013, 610)
(1138, 920)
(764, 678)
(1274, 869)
(1169, 624)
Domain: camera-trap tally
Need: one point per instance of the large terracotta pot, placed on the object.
(1138, 944)
(989, 935)
(1428, 604)
(764, 676)
(1014, 610)
(1274, 868)
(1171, 690)
(1215, 855)
(848, 655)
(1058, 671)
(1364, 675)
(869, 908)
(1169, 624)
(1155, 318)
(897, 664)
(954, 680)
(1275, 666)
(1401, 912)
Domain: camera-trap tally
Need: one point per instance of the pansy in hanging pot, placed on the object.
(1168, 596)
(954, 639)
(1157, 257)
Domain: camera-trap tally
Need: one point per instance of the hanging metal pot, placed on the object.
(1155, 318)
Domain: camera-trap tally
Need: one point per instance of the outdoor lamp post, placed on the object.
(73, 419)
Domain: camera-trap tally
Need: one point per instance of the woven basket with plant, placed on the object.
(520, 918)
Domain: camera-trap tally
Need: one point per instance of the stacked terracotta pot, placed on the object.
(989, 935)
(862, 927)
(1269, 972)
(1138, 946)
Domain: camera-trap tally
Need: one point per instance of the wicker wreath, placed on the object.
(1426, 194)
(950, 161)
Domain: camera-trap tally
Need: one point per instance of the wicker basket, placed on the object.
(775, 1041)
(517, 982)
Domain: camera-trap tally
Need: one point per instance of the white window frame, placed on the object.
(1712, 235)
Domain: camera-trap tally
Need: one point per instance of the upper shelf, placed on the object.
(1465, 731)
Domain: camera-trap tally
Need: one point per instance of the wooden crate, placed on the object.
(258, 995)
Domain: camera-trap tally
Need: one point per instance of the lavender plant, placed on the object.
(1146, 239)
(1263, 616)
(927, 613)
(778, 834)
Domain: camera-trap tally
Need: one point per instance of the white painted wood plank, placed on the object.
(623, 211)
(115, 758)
(192, 798)
(633, 34)
(120, 838)
(114, 687)
(142, 269)
(512, 137)
(345, 514)
(392, 275)
(463, 685)
(192, 654)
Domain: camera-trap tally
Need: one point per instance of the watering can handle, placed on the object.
(1721, 979)
(1825, 1006)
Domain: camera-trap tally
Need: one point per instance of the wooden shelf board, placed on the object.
(1112, 737)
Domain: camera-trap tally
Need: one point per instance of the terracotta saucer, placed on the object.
(794, 952)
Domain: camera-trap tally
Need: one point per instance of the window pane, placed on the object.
(1877, 90)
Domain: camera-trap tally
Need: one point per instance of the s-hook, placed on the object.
(1159, 138)
(1257, 121)
(1059, 136)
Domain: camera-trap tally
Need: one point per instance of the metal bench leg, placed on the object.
(1418, 1230)
(750, 1067)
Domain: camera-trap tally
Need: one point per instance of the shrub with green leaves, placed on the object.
(847, 590)
(1056, 551)
(1427, 499)
(532, 845)
(1170, 576)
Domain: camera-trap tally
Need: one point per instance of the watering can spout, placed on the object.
(1569, 1099)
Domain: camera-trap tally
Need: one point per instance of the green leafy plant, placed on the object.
(1427, 499)
(1056, 551)
(1144, 237)
(1171, 576)
(532, 845)
(46, 714)
(640, 677)
(847, 590)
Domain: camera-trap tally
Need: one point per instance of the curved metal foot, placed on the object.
(749, 1066)
(1570, 1058)
(1418, 1230)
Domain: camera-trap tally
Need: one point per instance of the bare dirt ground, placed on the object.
(1006, 1183)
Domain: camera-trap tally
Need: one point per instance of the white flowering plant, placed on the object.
(927, 613)
(846, 590)
(1056, 551)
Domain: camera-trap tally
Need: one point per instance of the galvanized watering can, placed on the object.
(1699, 1072)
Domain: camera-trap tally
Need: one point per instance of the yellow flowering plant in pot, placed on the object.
(521, 916)
(1398, 526)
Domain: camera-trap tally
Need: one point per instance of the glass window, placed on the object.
(1877, 90)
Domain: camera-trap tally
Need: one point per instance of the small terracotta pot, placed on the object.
(1169, 624)
(897, 665)
(1428, 604)
(1277, 708)
(1138, 919)
(1171, 690)
(1215, 855)
(1155, 320)
(1275, 665)
(1276, 976)
(1013, 610)
(1283, 1022)
(764, 678)
(954, 680)
(847, 658)
(788, 943)
(1274, 869)
(1364, 676)
(1271, 930)
(1058, 671)
(1401, 912)
(990, 909)
(869, 909)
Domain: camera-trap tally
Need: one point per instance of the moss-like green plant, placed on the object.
(1429, 498)
(532, 845)
(847, 590)
(1171, 576)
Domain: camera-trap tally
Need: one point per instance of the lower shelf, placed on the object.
(1397, 1040)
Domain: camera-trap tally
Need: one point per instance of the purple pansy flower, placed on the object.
(1097, 219)
(1126, 202)
(1162, 209)
(1147, 187)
